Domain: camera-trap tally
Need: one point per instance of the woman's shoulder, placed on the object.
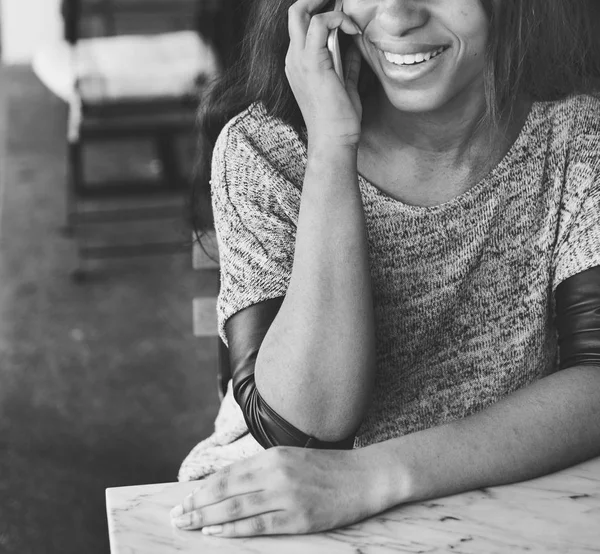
(258, 157)
(260, 135)
(566, 132)
(572, 116)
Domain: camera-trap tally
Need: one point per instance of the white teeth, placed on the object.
(410, 59)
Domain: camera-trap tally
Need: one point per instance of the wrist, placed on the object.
(331, 144)
(387, 479)
(331, 171)
(331, 158)
(331, 176)
(324, 148)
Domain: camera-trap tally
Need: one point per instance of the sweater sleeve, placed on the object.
(578, 239)
(255, 212)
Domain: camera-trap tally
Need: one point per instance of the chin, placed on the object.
(417, 101)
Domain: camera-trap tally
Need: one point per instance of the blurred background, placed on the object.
(108, 348)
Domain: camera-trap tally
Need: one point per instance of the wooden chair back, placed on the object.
(93, 18)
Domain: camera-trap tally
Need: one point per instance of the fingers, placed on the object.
(238, 507)
(299, 16)
(232, 493)
(272, 523)
(240, 478)
(229, 482)
(301, 20)
(239, 500)
(309, 6)
(298, 22)
(322, 24)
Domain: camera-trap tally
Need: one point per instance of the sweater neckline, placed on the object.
(468, 195)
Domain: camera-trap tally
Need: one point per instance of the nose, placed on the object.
(399, 17)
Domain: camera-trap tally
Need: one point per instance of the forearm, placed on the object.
(315, 366)
(552, 424)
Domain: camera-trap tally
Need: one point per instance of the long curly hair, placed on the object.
(545, 49)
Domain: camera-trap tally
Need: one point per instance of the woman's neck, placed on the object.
(454, 135)
(427, 159)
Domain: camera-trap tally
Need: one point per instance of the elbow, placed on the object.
(311, 415)
(270, 429)
(325, 402)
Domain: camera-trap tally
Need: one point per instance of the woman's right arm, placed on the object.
(315, 367)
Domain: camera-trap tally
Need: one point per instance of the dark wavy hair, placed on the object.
(544, 49)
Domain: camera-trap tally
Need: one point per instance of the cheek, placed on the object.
(471, 25)
(470, 30)
(476, 52)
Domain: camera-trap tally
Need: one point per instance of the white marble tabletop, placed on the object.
(558, 513)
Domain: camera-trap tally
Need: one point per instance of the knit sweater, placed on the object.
(462, 291)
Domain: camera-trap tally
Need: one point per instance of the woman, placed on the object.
(401, 254)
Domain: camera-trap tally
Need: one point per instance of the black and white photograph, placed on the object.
(299, 276)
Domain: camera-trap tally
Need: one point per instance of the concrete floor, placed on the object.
(101, 384)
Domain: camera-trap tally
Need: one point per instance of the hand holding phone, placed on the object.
(331, 106)
(333, 45)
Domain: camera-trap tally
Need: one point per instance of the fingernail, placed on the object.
(212, 529)
(177, 511)
(182, 521)
(358, 29)
(188, 520)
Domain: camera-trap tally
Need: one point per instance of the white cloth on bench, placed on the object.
(127, 67)
(231, 442)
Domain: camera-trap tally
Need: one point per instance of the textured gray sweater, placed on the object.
(462, 291)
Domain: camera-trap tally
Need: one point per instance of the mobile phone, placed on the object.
(333, 45)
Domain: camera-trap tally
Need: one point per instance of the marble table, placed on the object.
(558, 513)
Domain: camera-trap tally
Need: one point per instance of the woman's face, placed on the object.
(425, 53)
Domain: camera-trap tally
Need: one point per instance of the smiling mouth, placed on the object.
(413, 59)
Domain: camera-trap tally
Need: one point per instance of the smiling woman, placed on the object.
(410, 255)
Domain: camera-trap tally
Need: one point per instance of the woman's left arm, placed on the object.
(547, 426)
(550, 425)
